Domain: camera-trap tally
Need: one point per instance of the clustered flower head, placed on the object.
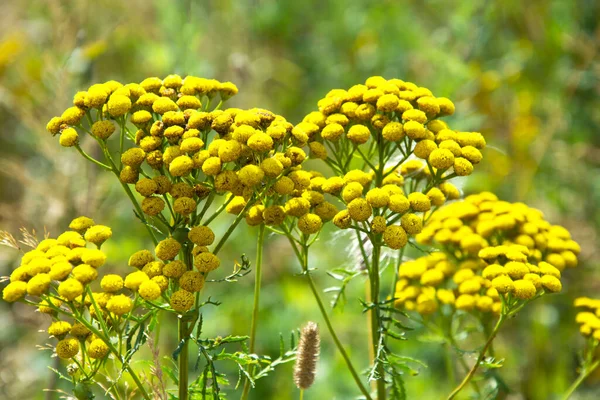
(57, 272)
(589, 318)
(396, 123)
(492, 252)
(185, 149)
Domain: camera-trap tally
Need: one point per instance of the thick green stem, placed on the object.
(255, 307)
(183, 359)
(375, 319)
(473, 370)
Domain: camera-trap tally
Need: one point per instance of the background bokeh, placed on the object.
(525, 74)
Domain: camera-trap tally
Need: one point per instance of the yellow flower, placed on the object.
(377, 197)
(492, 271)
(395, 237)
(111, 283)
(273, 215)
(503, 284)
(98, 234)
(462, 275)
(67, 348)
(432, 277)
(94, 257)
(419, 202)
(149, 290)
(14, 291)
(135, 279)
(333, 185)
(206, 262)
(485, 304)
(174, 269)
(260, 142)
(119, 304)
(524, 289)
(140, 258)
(251, 175)
(152, 205)
(38, 285)
(164, 104)
(271, 167)
(181, 166)
(60, 271)
(182, 300)
(192, 281)
(412, 223)
(72, 115)
(201, 235)
(424, 148)
(462, 166)
(359, 134)
(167, 249)
(84, 273)
(470, 286)
(378, 224)
(446, 106)
(118, 105)
(45, 307)
(59, 329)
(445, 296)
(515, 269)
(332, 132)
(441, 159)
(393, 131)
(254, 216)
(97, 349)
(342, 219)
(297, 206)
(465, 302)
(309, 223)
(551, 283)
(70, 289)
(415, 130)
(69, 137)
(359, 209)
(399, 203)
(184, 205)
(81, 224)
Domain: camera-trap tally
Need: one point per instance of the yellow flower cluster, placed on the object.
(64, 262)
(57, 271)
(113, 100)
(154, 277)
(253, 156)
(490, 248)
(589, 319)
(464, 228)
(383, 118)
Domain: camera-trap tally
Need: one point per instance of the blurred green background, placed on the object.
(525, 74)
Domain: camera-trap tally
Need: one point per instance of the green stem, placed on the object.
(90, 158)
(480, 358)
(254, 323)
(375, 319)
(232, 227)
(303, 258)
(106, 340)
(182, 334)
(584, 374)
